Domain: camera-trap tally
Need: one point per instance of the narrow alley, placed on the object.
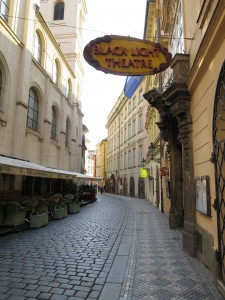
(117, 248)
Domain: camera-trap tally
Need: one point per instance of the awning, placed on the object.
(82, 177)
(9, 165)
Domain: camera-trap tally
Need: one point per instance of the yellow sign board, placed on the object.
(127, 56)
(143, 173)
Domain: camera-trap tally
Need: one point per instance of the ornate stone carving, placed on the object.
(163, 130)
(181, 110)
(154, 98)
(171, 9)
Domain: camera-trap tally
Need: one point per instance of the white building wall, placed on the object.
(21, 72)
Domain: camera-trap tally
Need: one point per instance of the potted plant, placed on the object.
(39, 218)
(60, 208)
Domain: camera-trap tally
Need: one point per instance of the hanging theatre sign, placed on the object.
(127, 56)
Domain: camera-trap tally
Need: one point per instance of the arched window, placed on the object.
(59, 11)
(54, 125)
(68, 89)
(37, 47)
(56, 72)
(33, 110)
(67, 133)
(4, 9)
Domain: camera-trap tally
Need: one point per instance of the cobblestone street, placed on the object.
(117, 248)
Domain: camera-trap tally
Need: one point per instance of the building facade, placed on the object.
(40, 99)
(127, 141)
(191, 109)
(101, 156)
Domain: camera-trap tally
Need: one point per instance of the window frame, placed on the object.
(4, 12)
(37, 47)
(33, 110)
(59, 11)
(54, 124)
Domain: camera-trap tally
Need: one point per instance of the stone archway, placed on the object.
(125, 187)
(141, 188)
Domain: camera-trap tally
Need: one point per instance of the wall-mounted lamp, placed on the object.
(151, 151)
(143, 162)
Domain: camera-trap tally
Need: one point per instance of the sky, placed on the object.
(100, 91)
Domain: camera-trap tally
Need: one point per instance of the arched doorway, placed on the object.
(113, 184)
(141, 188)
(132, 187)
(219, 164)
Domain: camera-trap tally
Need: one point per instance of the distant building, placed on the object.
(101, 156)
(127, 141)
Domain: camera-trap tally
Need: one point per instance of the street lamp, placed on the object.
(143, 162)
(151, 150)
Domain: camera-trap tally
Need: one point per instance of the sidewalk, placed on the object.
(156, 266)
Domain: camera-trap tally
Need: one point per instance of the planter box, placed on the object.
(73, 208)
(37, 221)
(60, 213)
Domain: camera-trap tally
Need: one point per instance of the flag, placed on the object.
(131, 85)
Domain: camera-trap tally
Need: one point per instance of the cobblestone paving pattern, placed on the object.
(67, 259)
(161, 270)
(70, 259)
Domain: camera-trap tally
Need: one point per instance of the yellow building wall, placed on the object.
(202, 114)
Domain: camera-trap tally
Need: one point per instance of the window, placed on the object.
(37, 47)
(140, 95)
(125, 160)
(54, 124)
(4, 9)
(129, 159)
(67, 133)
(133, 127)
(134, 102)
(134, 157)
(177, 42)
(125, 134)
(129, 131)
(140, 122)
(129, 107)
(59, 11)
(33, 110)
(68, 89)
(55, 72)
(140, 154)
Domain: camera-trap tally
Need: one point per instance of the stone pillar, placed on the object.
(176, 127)
(182, 109)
